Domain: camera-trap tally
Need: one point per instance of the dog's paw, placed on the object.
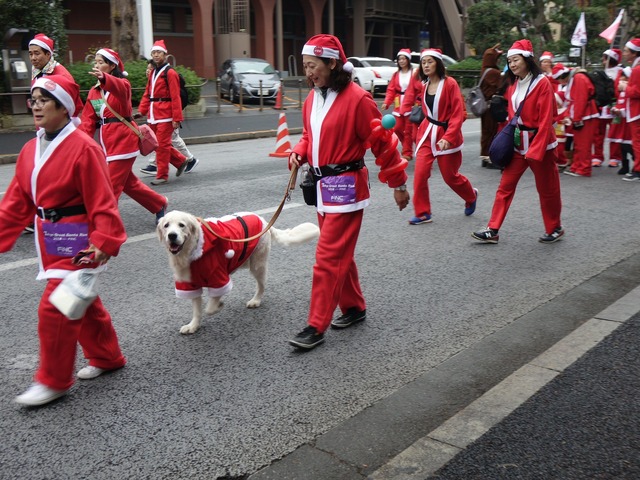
(213, 307)
(253, 303)
(188, 329)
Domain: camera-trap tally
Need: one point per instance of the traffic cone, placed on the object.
(278, 105)
(283, 145)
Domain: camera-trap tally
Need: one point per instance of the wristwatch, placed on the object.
(401, 188)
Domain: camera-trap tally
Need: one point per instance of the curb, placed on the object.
(430, 453)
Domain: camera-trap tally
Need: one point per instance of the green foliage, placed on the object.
(137, 77)
(466, 72)
(490, 22)
(39, 17)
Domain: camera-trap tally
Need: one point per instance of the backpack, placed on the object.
(475, 99)
(184, 95)
(605, 92)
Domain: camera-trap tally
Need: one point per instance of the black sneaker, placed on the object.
(193, 163)
(29, 228)
(352, 316)
(150, 170)
(488, 235)
(308, 338)
(182, 168)
(632, 177)
(162, 211)
(553, 236)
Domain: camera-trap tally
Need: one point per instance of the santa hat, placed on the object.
(558, 70)
(431, 52)
(546, 56)
(159, 45)
(521, 47)
(405, 52)
(113, 57)
(42, 41)
(65, 90)
(613, 53)
(633, 44)
(327, 46)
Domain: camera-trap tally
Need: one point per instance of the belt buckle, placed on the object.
(41, 213)
(317, 172)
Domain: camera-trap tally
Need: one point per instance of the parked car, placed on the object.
(249, 72)
(446, 59)
(368, 77)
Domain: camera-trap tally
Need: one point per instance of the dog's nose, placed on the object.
(172, 236)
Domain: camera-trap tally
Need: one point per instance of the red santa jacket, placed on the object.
(579, 94)
(69, 173)
(632, 93)
(163, 83)
(398, 84)
(118, 141)
(214, 260)
(537, 118)
(447, 107)
(412, 93)
(336, 130)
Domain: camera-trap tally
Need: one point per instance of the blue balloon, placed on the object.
(388, 121)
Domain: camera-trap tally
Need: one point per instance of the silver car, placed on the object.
(248, 72)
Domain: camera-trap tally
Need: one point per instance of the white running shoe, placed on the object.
(89, 372)
(39, 394)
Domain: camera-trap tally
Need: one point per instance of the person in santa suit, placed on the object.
(62, 184)
(119, 142)
(579, 94)
(534, 145)
(631, 53)
(340, 121)
(395, 94)
(619, 132)
(163, 108)
(610, 59)
(439, 137)
(546, 63)
(564, 135)
(42, 58)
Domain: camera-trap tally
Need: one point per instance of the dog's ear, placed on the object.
(160, 231)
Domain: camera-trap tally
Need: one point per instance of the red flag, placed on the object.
(610, 33)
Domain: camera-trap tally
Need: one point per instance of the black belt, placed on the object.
(160, 99)
(104, 121)
(246, 235)
(337, 168)
(445, 125)
(527, 129)
(55, 214)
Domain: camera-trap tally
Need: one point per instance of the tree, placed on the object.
(38, 16)
(124, 29)
(491, 22)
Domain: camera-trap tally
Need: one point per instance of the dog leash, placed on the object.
(287, 196)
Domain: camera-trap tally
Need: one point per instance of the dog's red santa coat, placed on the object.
(214, 260)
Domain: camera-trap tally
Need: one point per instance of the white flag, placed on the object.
(610, 33)
(579, 37)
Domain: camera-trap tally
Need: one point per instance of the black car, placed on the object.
(248, 72)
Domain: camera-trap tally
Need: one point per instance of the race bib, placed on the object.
(65, 239)
(340, 190)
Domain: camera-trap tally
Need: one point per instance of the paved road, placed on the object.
(448, 320)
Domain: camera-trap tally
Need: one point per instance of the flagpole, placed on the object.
(584, 49)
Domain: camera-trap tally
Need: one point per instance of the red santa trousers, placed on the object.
(582, 140)
(410, 133)
(335, 275)
(59, 337)
(634, 127)
(406, 140)
(547, 181)
(123, 179)
(598, 142)
(449, 166)
(165, 153)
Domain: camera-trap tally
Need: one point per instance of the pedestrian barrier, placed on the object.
(283, 144)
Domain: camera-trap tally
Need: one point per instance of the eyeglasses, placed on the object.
(37, 102)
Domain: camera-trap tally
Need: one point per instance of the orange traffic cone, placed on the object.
(283, 145)
(278, 105)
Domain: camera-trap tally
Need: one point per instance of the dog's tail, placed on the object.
(303, 233)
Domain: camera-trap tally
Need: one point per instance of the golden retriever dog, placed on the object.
(200, 259)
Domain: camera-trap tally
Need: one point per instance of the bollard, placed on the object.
(299, 94)
(240, 99)
(261, 99)
(218, 93)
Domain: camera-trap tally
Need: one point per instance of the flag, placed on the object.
(610, 33)
(579, 37)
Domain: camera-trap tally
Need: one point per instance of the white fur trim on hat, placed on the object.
(41, 44)
(112, 59)
(406, 54)
(318, 51)
(517, 51)
(430, 53)
(57, 91)
(612, 54)
(631, 45)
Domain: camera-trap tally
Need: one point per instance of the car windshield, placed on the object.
(253, 67)
(381, 63)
